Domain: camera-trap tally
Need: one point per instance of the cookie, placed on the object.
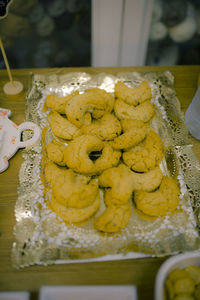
(98, 113)
(113, 219)
(146, 155)
(106, 128)
(109, 158)
(160, 202)
(75, 215)
(148, 181)
(58, 103)
(70, 192)
(55, 152)
(52, 171)
(133, 132)
(77, 155)
(143, 112)
(133, 96)
(89, 101)
(120, 180)
(63, 128)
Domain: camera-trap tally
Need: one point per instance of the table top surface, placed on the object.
(141, 271)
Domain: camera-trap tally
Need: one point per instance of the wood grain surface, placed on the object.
(140, 272)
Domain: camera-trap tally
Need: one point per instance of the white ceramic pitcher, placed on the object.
(10, 137)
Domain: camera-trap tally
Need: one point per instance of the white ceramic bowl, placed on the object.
(179, 261)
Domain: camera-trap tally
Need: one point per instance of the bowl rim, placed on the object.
(166, 267)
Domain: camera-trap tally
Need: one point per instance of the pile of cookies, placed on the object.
(183, 284)
(104, 144)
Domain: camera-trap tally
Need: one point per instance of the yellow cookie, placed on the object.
(184, 285)
(146, 155)
(147, 181)
(134, 131)
(143, 112)
(106, 128)
(194, 273)
(77, 155)
(55, 152)
(91, 99)
(177, 274)
(58, 103)
(160, 202)
(70, 193)
(63, 128)
(133, 96)
(113, 219)
(75, 215)
(52, 171)
(119, 179)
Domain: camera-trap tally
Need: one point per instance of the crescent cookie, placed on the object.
(108, 159)
(55, 152)
(109, 200)
(143, 112)
(119, 179)
(121, 182)
(133, 96)
(134, 131)
(106, 128)
(75, 215)
(76, 155)
(148, 181)
(52, 171)
(146, 155)
(91, 99)
(98, 113)
(63, 128)
(113, 219)
(160, 202)
(58, 103)
(69, 191)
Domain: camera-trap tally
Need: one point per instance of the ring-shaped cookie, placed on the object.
(146, 155)
(143, 112)
(160, 202)
(133, 96)
(134, 131)
(106, 128)
(92, 99)
(77, 155)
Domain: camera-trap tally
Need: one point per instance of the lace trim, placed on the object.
(41, 237)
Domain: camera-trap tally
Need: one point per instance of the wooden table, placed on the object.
(140, 272)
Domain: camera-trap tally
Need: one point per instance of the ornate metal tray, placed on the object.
(43, 238)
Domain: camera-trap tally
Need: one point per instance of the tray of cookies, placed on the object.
(112, 176)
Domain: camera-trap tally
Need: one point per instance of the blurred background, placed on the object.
(73, 33)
